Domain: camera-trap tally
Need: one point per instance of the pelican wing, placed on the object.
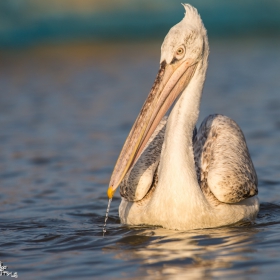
(142, 174)
(223, 164)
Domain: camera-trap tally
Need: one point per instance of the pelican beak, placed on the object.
(171, 80)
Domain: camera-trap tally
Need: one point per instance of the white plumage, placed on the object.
(170, 178)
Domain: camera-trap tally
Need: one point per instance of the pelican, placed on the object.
(170, 174)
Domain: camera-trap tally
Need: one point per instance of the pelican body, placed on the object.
(170, 174)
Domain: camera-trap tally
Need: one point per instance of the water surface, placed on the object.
(64, 115)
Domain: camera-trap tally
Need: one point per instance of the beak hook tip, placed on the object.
(110, 192)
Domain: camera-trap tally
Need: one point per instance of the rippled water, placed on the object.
(64, 115)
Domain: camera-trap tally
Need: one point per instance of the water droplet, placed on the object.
(106, 216)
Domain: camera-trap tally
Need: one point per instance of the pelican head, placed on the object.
(185, 40)
(183, 48)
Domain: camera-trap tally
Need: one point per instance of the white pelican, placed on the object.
(169, 174)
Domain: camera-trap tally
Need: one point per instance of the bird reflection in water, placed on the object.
(198, 254)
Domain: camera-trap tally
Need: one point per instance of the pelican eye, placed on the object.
(180, 51)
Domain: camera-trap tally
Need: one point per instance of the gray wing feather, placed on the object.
(141, 176)
(223, 164)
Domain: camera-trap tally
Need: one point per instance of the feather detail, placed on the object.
(223, 163)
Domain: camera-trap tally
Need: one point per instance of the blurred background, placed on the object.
(28, 22)
(73, 77)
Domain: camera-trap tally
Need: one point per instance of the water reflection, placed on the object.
(198, 254)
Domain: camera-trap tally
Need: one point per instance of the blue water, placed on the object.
(64, 115)
(27, 22)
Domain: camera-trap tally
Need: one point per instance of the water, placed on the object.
(27, 22)
(64, 115)
(106, 216)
